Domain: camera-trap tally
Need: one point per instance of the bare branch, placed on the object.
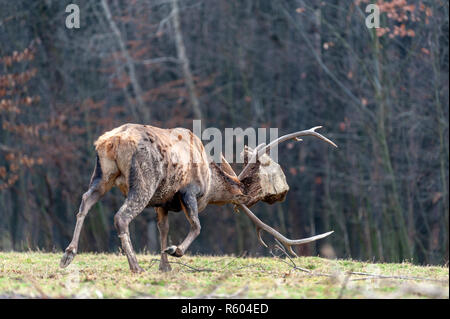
(184, 60)
(128, 60)
(159, 60)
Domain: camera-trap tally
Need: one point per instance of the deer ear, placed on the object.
(236, 190)
(232, 177)
(226, 167)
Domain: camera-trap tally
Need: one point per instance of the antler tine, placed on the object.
(286, 242)
(295, 135)
(263, 148)
(252, 159)
(289, 248)
(258, 233)
(256, 152)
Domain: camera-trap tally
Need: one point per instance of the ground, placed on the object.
(37, 274)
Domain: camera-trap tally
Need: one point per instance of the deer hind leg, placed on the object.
(142, 185)
(99, 185)
(163, 227)
(189, 206)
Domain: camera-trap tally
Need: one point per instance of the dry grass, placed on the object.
(35, 274)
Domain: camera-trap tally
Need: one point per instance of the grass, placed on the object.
(36, 274)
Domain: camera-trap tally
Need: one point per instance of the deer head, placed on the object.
(265, 181)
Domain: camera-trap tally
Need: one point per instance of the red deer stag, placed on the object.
(169, 169)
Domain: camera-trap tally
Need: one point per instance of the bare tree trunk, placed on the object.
(130, 65)
(443, 147)
(184, 60)
(394, 209)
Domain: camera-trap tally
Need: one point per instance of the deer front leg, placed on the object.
(88, 200)
(163, 227)
(189, 206)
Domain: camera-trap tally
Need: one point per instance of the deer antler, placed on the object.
(263, 148)
(260, 226)
(287, 243)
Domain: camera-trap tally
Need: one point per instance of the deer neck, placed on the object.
(225, 186)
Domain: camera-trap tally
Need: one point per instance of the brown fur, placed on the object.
(185, 162)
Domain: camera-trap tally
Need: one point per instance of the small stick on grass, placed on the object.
(344, 285)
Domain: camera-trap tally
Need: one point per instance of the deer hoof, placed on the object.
(67, 258)
(174, 251)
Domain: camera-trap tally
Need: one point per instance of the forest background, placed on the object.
(381, 94)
